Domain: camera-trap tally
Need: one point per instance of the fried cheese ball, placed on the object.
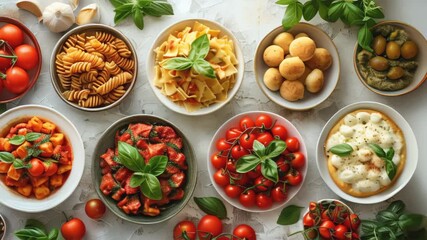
(302, 47)
(305, 74)
(272, 79)
(321, 59)
(301, 35)
(314, 81)
(273, 55)
(292, 68)
(283, 40)
(292, 90)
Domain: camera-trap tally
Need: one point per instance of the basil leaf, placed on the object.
(390, 168)
(212, 205)
(259, 148)
(7, 157)
(17, 140)
(31, 233)
(369, 226)
(35, 224)
(364, 37)
(386, 216)
(293, 15)
(177, 63)
(158, 165)
(390, 154)
(269, 170)
(397, 207)
(118, 3)
(342, 149)
(157, 8)
(375, 12)
(138, 18)
(275, 148)
(203, 67)
(32, 136)
(247, 163)
(122, 12)
(323, 10)
(130, 157)
(335, 11)
(377, 149)
(309, 11)
(353, 13)
(53, 234)
(289, 215)
(137, 179)
(18, 164)
(150, 187)
(410, 221)
(285, 2)
(199, 48)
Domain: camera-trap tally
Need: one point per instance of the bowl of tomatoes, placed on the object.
(20, 59)
(257, 161)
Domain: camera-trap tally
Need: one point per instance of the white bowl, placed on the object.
(411, 152)
(151, 56)
(331, 75)
(234, 122)
(13, 199)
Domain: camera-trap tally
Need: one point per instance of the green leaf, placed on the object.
(335, 11)
(309, 11)
(199, 48)
(150, 187)
(35, 224)
(342, 149)
(212, 206)
(203, 67)
(375, 12)
(397, 207)
(137, 179)
(158, 165)
(386, 233)
(32, 136)
(122, 12)
(354, 13)
(258, 148)
(377, 149)
(285, 2)
(18, 164)
(269, 170)
(369, 226)
(420, 234)
(130, 157)
(390, 168)
(17, 140)
(390, 154)
(28, 233)
(323, 10)
(177, 63)
(53, 234)
(386, 216)
(158, 8)
(7, 157)
(411, 221)
(292, 15)
(247, 163)
(118, 3)
(289, 215)
(275, 148)
(364, 37)
(138, 18)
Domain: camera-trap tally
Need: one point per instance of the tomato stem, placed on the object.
(2, 75)
(10, 49)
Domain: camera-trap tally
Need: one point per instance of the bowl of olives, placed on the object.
(396, 64)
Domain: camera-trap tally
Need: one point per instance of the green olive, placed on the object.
(379, 44)
(409, 50)
(392, 50)
(379, 63)
(395, 73)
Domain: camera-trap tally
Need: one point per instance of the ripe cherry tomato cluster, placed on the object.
(16, 58)
(330, 220)
(210, 228)
(252, 188)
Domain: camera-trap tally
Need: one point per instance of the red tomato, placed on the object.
(184, 228)
(340, 231)
(209, 224)
(246, 123)
(241, 179)
(238, 151)
(352, 222)
(17, 80)
(95, 208)
(326, 228)
(233, 134)
(298, 160)
(223, 145)
(292, 144)
(231, 166)
(244, 231)
(264, 121)
(221, 178)
(308, 220)
(263, 201)
(12, 35)
(325, 215)
(1, 85)
(280, 131)
(50, 168)
(73, 230)
(294, 178)
(247, 140)
(247, 199)
(218, 161)
(233, 191)
(279, 193)
(28, 57)
(255, 172)
(37, 168)
(4, 62)
(282, 165)
(263, 184)
(265, 138)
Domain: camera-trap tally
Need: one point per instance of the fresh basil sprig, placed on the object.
(20, 139)
(17, 163)
(289, 215)
(145, 175)
(140, 8)
(196, 59)
(212, 205)
(36, 230)
(342, 150)
(264, 156)
(390, 167)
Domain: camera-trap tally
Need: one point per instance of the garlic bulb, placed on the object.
(58, 17)
(74, 4)
(88, 14)
(32, 6)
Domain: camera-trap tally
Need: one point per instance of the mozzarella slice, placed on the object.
(376, 117)
(364, 155)
(346, 131)
(350, 120)
(367, 186)
(337, 161)
(363, 117)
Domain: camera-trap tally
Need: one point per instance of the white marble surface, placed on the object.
(249, 20)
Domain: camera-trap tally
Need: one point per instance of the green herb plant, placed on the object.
(36, 230)
(212, 205)
(145, 174)
(390, 167)
(195, 60)
(360, 13)
(140, 8)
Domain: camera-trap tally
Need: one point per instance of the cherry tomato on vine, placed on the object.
(95, 208)
(263, 184)
(340, 231)
(231, 166)
(308, 220)
(280, 131)
(232, 134)
(265, 138)
(326, 228)
(238, 151)
(37, 167)
(246, 123)
(263, 120)
(325, 215)
(255, 172)
(12, 34)
(244, 231)
(221, 178)
(50, 168)
(209, 224)
(1, 85)
(27, 56)
(263, 201)
(247, 140)
(223, 145)
(294, 178)
(278, 193)
(218, 161)
(298, 160)
(186, 228)
(247, 199)
(352, 222)
(292, 144)
(73, 229)
(5, 63)
(17, 80)
(241, 179)
(233, 191)
(282, 165)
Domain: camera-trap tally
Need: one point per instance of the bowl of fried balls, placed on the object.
(298, 69)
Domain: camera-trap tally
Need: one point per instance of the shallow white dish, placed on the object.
(151, 56)
(13, 199)
(331, 75)
(411, 152)
(234, 122)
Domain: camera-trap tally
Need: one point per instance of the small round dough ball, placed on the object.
(288, 56)
(301, 35)
(284, 39)
(314, 81)
(321, 59)
(292, 90)
(273, 55)
(273, 79)
(292, 68)
(305, 74)
(303, 48)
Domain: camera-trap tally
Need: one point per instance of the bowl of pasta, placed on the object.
(41, 158)
(93, 67)
(195, 67)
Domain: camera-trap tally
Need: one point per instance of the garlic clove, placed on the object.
(88, 14)
(32, 6)
(74, 4)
